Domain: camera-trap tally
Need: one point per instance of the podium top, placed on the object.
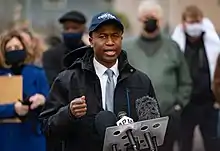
(116, 135)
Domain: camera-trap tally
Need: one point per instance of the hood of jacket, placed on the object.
(72, 56)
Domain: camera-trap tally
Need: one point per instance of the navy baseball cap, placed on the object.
(104, 17)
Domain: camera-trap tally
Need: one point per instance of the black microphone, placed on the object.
(147, 108)
(103, 120)
(123, 119)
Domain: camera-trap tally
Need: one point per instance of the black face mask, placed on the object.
(72, 40)
(15, 57)
(151, 25)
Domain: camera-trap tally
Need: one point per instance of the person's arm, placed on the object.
(13, 110)
(183, 80)
(7, 111)
(216, 81)
(56, 116)
(42, 87)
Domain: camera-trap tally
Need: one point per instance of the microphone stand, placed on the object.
(114, 147)
(151, 141)
(154, 139)
(132, 141)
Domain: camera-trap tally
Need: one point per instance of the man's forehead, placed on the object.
(72, 23)
(150, 13)
(193, 19)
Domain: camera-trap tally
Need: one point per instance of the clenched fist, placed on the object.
(78, 107)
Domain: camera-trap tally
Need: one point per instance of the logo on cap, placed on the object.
(106, 16)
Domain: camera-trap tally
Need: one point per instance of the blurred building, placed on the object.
(6, 13)
(42, 15)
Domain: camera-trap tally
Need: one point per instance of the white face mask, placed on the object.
(194, 30)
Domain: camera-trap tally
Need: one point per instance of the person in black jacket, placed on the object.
(78, 93)
(73, 24)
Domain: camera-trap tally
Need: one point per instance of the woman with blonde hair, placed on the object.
(17, 58)
(37, 42)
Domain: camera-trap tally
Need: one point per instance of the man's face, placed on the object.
(193, 26)
(73, 27)
(150, 21)
(106, 42)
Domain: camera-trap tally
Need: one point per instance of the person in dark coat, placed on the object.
(16, 58)
(73, 29)
(200, 43)
(216, 91)
(78, 93)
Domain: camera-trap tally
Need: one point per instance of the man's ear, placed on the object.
(183, 24)
(91, 41)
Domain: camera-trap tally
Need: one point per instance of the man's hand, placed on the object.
(78, 107)
(21, 109)
(36, 101)
(217, 105)
(177, 107)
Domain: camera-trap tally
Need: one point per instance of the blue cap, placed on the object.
(103, 17)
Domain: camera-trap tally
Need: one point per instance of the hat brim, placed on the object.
(107, 22)
(73, 19)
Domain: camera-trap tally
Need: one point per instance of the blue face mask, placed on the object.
(15, 57)
(72, 40)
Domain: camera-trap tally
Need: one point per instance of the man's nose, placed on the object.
(70, 30)
(109, 42)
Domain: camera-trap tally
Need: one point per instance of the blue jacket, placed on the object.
(24, 136)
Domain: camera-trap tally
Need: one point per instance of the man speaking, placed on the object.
(101, 80)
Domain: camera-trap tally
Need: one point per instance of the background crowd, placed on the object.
(176, 46)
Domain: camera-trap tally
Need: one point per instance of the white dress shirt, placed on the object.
(100, 72)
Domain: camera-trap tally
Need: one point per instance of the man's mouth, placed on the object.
(110, 52)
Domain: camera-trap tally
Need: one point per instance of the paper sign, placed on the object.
(11, 90)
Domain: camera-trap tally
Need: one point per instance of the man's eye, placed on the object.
(102, 36)
(116, 36)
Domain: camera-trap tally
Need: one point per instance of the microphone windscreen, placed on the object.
(121, 114)
(147, 108)
(103, 120)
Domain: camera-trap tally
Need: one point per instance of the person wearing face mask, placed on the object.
(16, 58)
(200, 43)
(73, 24)
(159, 57)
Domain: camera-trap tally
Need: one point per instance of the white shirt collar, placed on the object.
(100, 69)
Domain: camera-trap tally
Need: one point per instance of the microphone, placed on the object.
(123, 120)
(103, 120)
(147, 108)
